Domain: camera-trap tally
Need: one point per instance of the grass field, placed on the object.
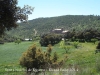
(84, 56)
(10, 54)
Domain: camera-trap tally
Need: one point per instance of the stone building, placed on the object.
(59, 31)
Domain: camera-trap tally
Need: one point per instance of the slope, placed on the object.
(44, 25)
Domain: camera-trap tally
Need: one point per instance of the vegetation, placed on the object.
(68, 22)
(63, 46)
(50, 39)
(75, 44)
(18, 41)
(97, 48)
(83, 58)
(9, 9)
(88, 35)
(78, 52)
(9, 57)
(35, 58)
(80, 46)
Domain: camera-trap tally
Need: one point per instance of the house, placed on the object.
(59, 31)
(27, 39)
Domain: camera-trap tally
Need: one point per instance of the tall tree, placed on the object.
(10, 13)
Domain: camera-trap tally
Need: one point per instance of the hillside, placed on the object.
(44, 25)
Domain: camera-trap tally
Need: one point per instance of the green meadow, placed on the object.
(83, 57)
(10, 54)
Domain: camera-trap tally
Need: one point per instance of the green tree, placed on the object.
(10, 13)
(50, 39)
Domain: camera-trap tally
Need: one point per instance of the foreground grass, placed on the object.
(85, 53)
(10, 54)
(84, 56)
(85, 59)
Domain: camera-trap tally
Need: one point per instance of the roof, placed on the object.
(27, 39)
(65, 31)
(57, 29)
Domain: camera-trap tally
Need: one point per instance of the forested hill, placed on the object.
(44, 25)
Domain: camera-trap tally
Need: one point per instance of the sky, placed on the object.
(52, 8)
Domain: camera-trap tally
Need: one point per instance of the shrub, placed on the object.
(18, 41)
(97, 48)
(63, 46)
(35, 58)
(82, 40)
(36, 38)
(93, 40)
(75, 44)
(68, 48)
(55, 57)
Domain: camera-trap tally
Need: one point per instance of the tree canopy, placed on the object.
(10, 13)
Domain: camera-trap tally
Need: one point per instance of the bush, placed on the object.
(82, 40)
(36, 38)
(63, 46)
(55, 57)
(35, 58)
(97, 48)
(75, 44)
(93, 40)
(18, 41)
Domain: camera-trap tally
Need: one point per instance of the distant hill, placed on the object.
(44, 25)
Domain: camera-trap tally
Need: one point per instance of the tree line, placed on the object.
(88, 35)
